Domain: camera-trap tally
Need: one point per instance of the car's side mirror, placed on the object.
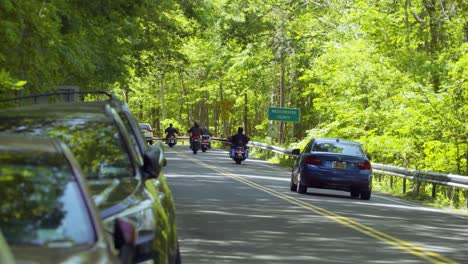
(369, 157)
(296, 152)
(124, 239)
(153, 161)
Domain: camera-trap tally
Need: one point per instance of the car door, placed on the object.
(158, 187)
(140, 206)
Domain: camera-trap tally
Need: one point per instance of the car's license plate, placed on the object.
(339, 165)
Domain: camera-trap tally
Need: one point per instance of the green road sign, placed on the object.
(284, 114)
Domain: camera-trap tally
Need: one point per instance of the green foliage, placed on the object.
(390, 74)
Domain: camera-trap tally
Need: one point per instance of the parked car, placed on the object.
(329, 163)
(147, 131)
(122, 179)
(48, 215)
(163, 192)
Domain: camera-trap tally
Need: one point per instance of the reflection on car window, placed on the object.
(338, 147)
(128, 126)
(96, 144)
(41, 203)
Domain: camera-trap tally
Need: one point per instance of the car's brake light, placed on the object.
(312, 160)
(149, 130)
(366, 165)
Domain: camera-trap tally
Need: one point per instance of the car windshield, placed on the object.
(340, 147)
(96, 143)
(41, 202)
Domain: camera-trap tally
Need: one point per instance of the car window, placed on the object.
(145, 126)
(130, 128)
(96, 143)
(41, 202)
(307, 147)
(338, 147)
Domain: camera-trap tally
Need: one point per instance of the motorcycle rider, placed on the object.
(239, 139)
(170, 131)
(206, 135)
(195, 130)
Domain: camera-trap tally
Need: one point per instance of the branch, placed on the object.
(418, 19)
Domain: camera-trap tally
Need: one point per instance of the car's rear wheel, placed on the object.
(301, 188)
(292, 185)
(365, 195)
(354, 194)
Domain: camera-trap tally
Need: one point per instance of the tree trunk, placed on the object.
(281, 94)
(183, 101)
(430, 6)
(246, 110)
(221, 98)
(163, 103)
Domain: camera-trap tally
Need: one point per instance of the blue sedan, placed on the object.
(335, 164)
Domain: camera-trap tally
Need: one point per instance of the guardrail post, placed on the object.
(391, 182)
(404, 185)
(466, 199)
(434, 190)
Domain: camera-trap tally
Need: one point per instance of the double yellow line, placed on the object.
(418, 251)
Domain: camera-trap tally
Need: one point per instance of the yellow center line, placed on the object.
(348, 222)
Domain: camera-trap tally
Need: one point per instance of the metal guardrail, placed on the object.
(453, 180)
(458, 181)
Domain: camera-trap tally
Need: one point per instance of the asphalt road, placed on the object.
(228, 213)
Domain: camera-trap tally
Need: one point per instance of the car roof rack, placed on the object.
(61, 96)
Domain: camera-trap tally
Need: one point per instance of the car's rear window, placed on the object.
(96, 143)
(145, 126)
(41, 202)
(338, 147)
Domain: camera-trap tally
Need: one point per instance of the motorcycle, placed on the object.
(171, 141)
(205, 144)
(195, 146)
(240, 154)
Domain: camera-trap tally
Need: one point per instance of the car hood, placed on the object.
(74, 254)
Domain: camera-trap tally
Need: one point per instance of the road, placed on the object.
(228, 213)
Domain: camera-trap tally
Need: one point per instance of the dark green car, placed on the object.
(48, 215)
(124, 178)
